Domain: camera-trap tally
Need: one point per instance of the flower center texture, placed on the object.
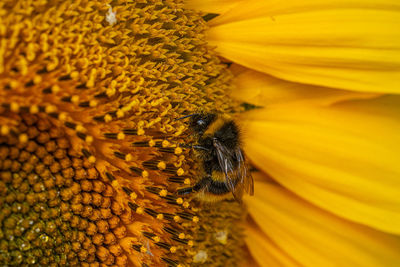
(90, 155)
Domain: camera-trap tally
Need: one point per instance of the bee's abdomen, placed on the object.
(218, 188)
(211, 186)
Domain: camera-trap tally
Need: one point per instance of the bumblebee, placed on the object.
(223, 161)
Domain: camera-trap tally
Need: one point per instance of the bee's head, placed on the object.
(199, 122)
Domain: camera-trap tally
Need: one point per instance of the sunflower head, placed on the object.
(89, 147)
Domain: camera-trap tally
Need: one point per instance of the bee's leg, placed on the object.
(203, 183)
(193, 146)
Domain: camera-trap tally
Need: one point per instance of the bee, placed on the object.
(221, 156)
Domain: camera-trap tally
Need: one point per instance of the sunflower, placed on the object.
(324, 76)
(91, 154)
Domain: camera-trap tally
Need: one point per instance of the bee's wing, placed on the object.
(225, 162)
(237, 179)
(243, 174)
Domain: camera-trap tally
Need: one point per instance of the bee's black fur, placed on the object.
(228, 135)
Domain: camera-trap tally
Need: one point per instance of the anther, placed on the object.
(29, 84)
(64, 78)
(91, 158)
(81, 86)
(101, 95)
(175, 179)
(65, 98)
(170, 261)
(164, 245)
(167, 150)
(173, 199)
(154, 190)
(151, 164)
(110, 176)
(188, 216)
(136, 170)
(151, 212)
(182, 240)
(81, 135)
(148, 235)
(135, 208)
(70, 124)
(170, 169)
(99, 118)
(110, 135)
(46, 90)
(126, 157)
(136, 247)
(84, 104)
(127, 190)
(129, 131)
(168, 216)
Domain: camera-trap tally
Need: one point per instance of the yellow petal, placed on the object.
(352, 45)
(212, 6)
(344, 158)
(264, 251)
(313, 237)
(250, 9)
(261, 89)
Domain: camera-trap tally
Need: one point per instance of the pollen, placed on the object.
(163, 193)
(200, 257)
(180, 172)
(90, 155)
(221, 236)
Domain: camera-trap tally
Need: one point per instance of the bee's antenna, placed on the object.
(187, 116)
